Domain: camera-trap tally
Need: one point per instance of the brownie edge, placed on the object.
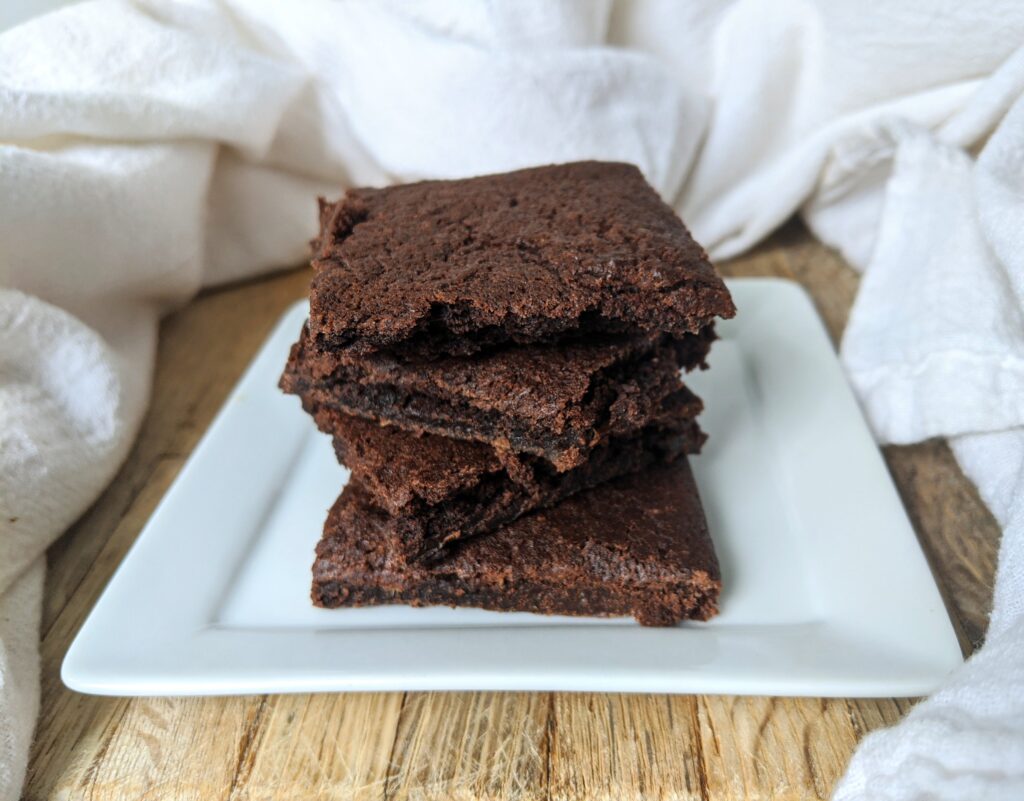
(450, 268)
(553, 401)
(636, 546)
(472, 498)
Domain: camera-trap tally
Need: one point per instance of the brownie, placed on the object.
(439, 491)
(636, 546)
(453, 267)
(553, 401)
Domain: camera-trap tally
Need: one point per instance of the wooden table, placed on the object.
(457, 745)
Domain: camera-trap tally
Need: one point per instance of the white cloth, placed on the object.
(149, 149)
(935, 346)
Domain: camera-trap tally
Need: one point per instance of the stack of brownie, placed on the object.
(498, 361)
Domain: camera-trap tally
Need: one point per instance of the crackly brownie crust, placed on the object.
(439, 491)
(553, 401)
(453, 267)
(636, 546)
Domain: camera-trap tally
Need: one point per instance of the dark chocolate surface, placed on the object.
(553, 401)
(636, 546)
(453, 267)
(405, 470)
(440, 491)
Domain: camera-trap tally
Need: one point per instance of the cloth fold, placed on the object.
(148, 149)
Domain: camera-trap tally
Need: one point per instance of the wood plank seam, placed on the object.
(247, 746)
(702, 776)
(549, 738)
(388, 790)
(92, 771)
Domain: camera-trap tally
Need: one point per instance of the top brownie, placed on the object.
(452, 267)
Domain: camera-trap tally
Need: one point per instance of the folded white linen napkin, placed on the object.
(151, 148)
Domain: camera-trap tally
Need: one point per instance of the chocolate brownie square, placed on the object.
(557, 402)
(636, 546)
(440, 491)
(454, 267)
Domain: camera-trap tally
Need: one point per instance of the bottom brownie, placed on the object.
(636, 546)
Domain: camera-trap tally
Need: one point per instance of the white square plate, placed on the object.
(826, 591)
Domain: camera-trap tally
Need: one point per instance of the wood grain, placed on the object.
(626, 747)
(455, 745)
(494, 746)
(774, 747)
